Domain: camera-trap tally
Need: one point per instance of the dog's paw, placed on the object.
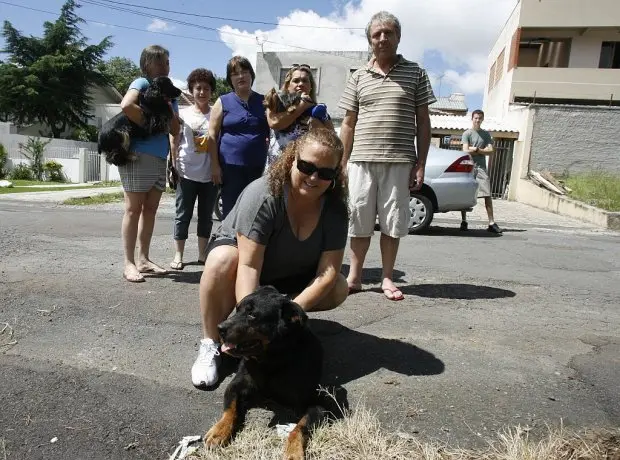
(218, 435)
(294, 448)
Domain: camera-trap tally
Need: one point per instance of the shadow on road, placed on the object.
(471, 233)
(456, 291)
(350, 355)
(373, 275)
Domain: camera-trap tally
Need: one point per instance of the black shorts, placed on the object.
(290, 285)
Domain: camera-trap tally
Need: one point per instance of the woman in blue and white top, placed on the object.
(192, 165)
(144, 179)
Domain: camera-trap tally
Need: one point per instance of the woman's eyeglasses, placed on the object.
(307, 168)
(300, 66)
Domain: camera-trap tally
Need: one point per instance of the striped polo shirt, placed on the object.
(385, 106)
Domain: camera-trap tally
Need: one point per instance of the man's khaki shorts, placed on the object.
(379, 189)
(484, 185)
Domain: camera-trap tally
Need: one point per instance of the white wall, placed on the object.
(495, 103)
(585, 52)
(70, 167)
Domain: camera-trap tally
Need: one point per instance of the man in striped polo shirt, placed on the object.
(386, 104)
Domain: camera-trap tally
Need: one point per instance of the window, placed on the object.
(499, 65)
(610, 56)
(315, 74)
(492, 77)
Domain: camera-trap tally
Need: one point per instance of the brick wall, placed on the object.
(573, 139)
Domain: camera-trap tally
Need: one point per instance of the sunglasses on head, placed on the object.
(300, 66)
(307, 168)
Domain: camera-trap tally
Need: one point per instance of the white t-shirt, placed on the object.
(193, 161)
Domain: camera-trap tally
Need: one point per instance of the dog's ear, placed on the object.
(293, 314)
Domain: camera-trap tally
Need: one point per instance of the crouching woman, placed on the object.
(287, 229)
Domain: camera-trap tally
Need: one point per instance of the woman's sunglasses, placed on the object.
(307, 168)
(300, 66)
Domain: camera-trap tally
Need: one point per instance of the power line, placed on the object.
(142, 14)
(199, 26)
(123, 27)
(232, 19)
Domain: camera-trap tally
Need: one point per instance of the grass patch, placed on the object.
(102, 198)
(22, 183)
(360, 436)
(4, 190)
(596, 188)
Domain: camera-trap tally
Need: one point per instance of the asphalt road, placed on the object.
(521, 329)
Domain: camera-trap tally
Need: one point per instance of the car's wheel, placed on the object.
(421, 213)
(217, 208)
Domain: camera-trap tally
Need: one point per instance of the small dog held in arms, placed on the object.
(281, 361)
(282, 101)
(116, 135)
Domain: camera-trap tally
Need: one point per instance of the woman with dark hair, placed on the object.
(192, 166)
(288, 229)
(238, 134)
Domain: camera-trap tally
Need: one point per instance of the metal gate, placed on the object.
(499, 164)
(93, 166)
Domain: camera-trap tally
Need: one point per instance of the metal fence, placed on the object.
(499, 164)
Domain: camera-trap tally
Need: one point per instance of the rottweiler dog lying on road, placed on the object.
(281, 360)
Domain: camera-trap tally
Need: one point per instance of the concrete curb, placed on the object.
(533, 195)
(58, 196)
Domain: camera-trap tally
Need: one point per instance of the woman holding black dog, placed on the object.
(293, 110)
(192, 166)
(287, 229)
(144, 179)
(238, 133)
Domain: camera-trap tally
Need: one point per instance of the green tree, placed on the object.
(48, 79)
(120, 72)
(221, 87)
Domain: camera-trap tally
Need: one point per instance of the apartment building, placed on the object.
(556, 51)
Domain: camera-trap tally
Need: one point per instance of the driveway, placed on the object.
(520, 329)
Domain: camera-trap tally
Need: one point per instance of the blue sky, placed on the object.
(436, 34)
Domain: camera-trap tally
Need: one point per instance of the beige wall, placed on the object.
(566, 83)
(570, 13)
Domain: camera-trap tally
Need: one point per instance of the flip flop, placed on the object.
(354, 290)
(134, 279)
(153, 271)
(393, 294)
(175, 265)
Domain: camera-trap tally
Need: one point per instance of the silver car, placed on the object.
(449, 185)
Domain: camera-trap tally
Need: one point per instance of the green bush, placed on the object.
(53, 171)
(34, 150)
(3, 159)
(21, 172)
(88, 133)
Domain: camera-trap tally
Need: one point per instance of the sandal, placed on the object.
(176, 265)
(393, 294)
(138, 278)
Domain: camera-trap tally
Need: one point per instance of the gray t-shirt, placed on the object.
(261, 217)
(480, 139)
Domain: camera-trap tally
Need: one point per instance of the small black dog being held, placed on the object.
(116, 135)
(281, 361)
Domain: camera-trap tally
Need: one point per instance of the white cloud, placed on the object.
(461, 32)
(157, 25)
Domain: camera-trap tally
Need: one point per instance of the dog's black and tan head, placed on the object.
(156, 97)
(262, 319)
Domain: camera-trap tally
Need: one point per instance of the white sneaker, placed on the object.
(204, 370)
